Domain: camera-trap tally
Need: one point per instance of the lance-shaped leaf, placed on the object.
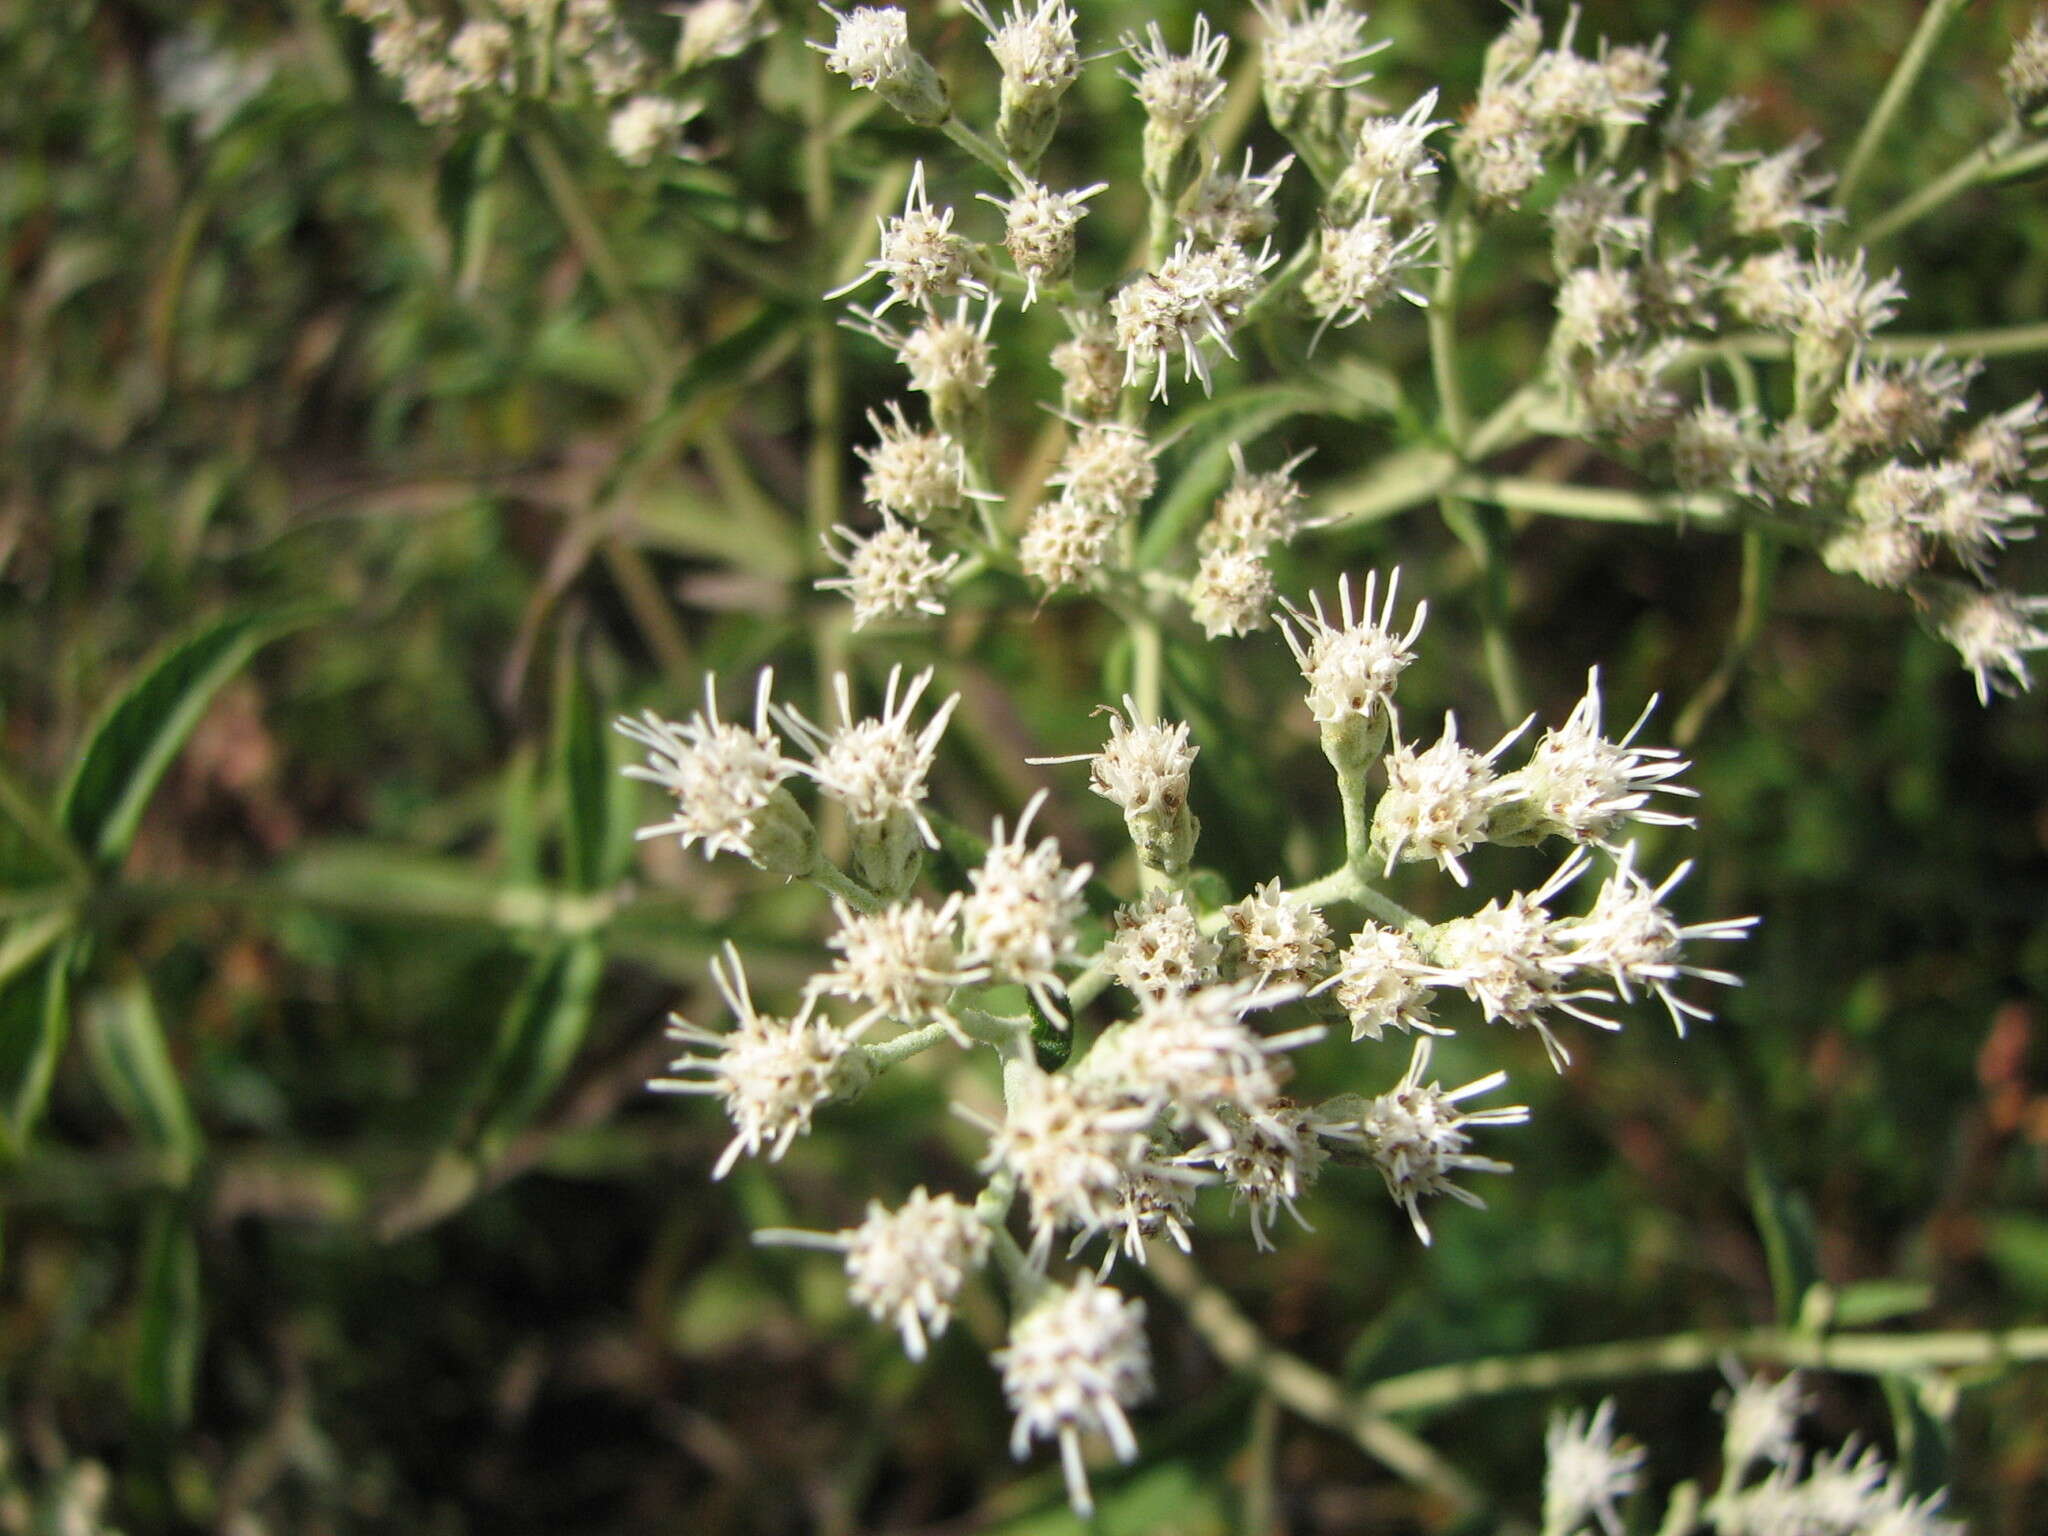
(596, 837)
(536, 1041)
(34, 1019)
(142, 730)
(125, 1039)
(170, 1320)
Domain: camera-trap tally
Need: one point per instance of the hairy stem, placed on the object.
(1859, 1353)
(1905, 75)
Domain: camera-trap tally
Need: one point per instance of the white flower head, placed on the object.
(1360, 266)
(1256, 512)
(1624, 394)
(719, 29)
(1196, 296)
(1072, 1141)
(1234, 208)
(1438, 801)
(1382, 982)
(1596, 306)
(772, 1072)
(647, 126)
(1090, 367)
(2005, 449)
(893, 573)
(917, 475)
(1775, 195)
(1280, 942)
(1308, 50)
(1993, 631)
(1108, 468)
(900, 962)
(872, 49)
(1760, 1421)
(1033, 45)
(1157, 948)
(1019, 918)
(872, 45)
(906, 1266)
(1038, 231)
(948, 356)
(1696, 143)
(875, 768)
(723, 774)
(1143, 768)
(1352, 665)
(1270, 1161)
(921, 257)
(1579, 784)
(1193, 1053)
(1231, 592)
(1392, 166)
(1507, 958)
(1883, 406)
(1178, 91)
(1840, 303)
(1589, 1472)
(1631, 938)
(2025, 72)
(1065, 541)
(1593, 216)
(1075, 1361)
(1417, 1136)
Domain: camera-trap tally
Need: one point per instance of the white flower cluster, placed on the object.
(1875, 464)
(1108, 1132)
(1769, 1485)
(588, 49)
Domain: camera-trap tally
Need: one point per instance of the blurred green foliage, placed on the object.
(329, 468)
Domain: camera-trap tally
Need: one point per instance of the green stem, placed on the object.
(1296, 1384)
(1596, 504)
(1873, 1354)
(829, 877)
(1995, 341)
(1443, 322)
(1982, 164)
(1905, 75)
(1484, 532)
(978, 147)
(1759, 565)
(887, 1053)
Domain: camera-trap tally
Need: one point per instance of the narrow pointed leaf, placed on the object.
(144, 728)
(34, 1019)
(171, 1321)
(125, 1040)
(537, 1040)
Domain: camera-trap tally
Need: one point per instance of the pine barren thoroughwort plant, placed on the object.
(1716, 331)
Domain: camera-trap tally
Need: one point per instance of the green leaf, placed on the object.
(171, 1320)
(1922, 1433)
(144, 728)
(1786, 1223)
(377, 882)
(34, 1018)
(1866, 1303)
(24, 943)
(44, 843)
(595, 844)
(536, 1041)
(125, 1040)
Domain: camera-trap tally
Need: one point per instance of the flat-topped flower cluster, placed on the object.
(1146, 1045)
(1668, 239)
